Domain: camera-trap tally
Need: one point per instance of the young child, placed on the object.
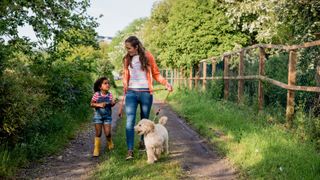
(102, 102)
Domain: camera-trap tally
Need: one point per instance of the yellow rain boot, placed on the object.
(110, 144)
(96, 150)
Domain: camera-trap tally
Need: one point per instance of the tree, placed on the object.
(188, 31)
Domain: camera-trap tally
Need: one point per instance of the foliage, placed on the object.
(187, 31)
(49, 19)
(43, 82)
(281, 21)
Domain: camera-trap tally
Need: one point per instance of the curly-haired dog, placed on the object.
(155, 137)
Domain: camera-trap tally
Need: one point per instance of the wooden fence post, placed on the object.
(190, 78)
(197, 77)
(171, 76)
(184, 78)
(166, 73)
(262, 56)
(214, 64)
(291, 82)
(175, 76)
(241, 81)
(226, 74)
(204, 75)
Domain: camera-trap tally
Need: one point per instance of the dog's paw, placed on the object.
(150, 161)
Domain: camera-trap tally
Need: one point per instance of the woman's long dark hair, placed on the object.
(135, 42)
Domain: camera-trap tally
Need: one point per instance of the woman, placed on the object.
(139, 70)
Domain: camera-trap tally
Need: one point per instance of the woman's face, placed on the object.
(130, 49)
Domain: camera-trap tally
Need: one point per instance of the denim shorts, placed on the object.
(101, 119)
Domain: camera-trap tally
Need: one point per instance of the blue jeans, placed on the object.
(133, 98)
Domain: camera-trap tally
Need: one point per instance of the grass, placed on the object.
(114, 165)
(61, 127)
(258, 148)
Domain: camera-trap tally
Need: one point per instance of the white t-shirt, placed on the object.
(138, 77)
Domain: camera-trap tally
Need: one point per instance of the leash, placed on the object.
(164, 101)
(120, 112)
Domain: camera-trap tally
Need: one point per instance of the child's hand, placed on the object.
(103, 104)
(114, 101)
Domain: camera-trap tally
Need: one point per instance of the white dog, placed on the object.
(155, 137)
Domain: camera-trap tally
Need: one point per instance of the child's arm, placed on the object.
(94, 103)
(113, 101)
(97, 105)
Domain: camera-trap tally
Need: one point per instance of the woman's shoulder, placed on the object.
(149, 55)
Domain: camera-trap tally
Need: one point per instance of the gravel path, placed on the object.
(76, 162)
(197, 159)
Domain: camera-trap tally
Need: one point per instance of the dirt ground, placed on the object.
(76, 162)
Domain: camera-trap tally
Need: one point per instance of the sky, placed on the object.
(117, 14)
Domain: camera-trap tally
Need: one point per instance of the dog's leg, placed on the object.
(167, 146)
(151, 156)
(158, 152)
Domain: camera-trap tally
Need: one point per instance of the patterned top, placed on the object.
(97, 94)
(138, 77)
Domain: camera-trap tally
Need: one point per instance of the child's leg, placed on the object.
(107, 132)
(98, 128)
(97, 143)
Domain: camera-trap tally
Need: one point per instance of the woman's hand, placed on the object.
(125, 89)
(169, 87)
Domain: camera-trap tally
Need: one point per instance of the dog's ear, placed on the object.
(150, 127)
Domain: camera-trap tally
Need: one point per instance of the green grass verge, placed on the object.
(258, 148)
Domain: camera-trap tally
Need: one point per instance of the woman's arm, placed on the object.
(155, 70)
(156, 73)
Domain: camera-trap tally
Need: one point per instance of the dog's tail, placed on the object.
(163, 120)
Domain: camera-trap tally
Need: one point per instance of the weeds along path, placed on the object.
(185, 145)
(74, 162)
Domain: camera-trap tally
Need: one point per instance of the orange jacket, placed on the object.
(152, 73)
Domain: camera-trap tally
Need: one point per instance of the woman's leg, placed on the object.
(146, 100)
(131, 109)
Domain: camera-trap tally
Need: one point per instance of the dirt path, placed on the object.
(197, 160)
(76, 162)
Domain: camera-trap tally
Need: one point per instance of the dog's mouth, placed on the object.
(139, 132)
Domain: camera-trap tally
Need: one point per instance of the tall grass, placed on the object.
(258, 145)
(59, 129)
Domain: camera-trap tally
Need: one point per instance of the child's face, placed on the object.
(105, 86)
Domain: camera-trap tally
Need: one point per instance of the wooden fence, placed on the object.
(176, 76)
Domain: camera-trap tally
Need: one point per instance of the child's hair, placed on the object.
(98, 83)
